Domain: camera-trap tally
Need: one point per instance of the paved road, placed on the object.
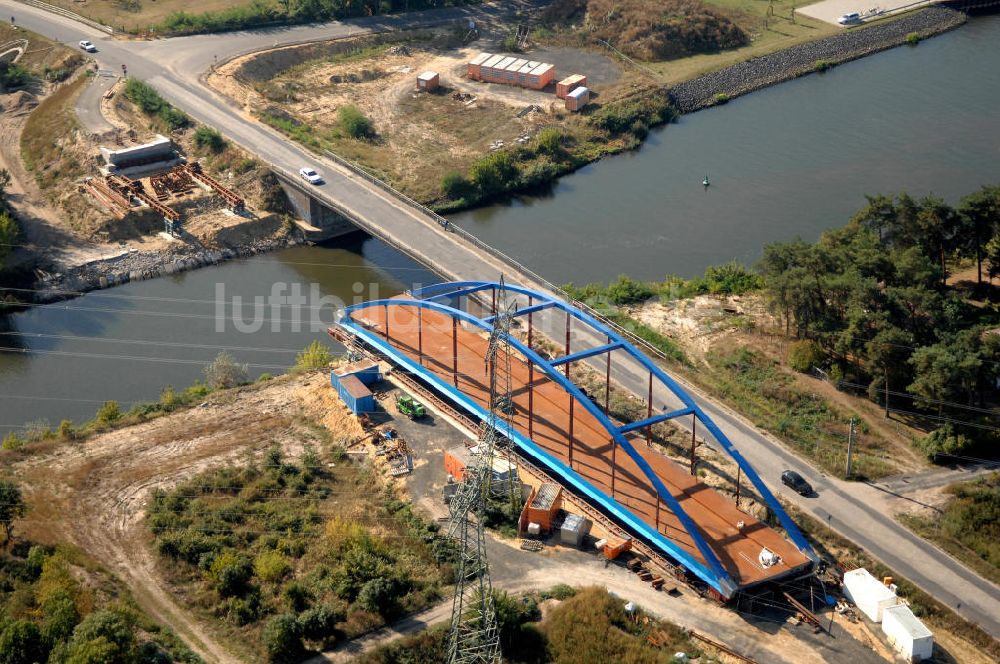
(88, 104)
(174, 66)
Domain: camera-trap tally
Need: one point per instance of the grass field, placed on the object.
(969, 525)
(140, 15)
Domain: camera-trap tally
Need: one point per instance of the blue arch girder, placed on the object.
(712, 572)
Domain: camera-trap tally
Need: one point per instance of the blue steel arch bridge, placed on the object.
(439, 335)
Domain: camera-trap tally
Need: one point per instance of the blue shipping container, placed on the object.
(357, 397)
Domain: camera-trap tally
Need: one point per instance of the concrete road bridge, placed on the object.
(176, 66)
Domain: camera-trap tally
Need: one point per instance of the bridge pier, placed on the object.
(319, 221)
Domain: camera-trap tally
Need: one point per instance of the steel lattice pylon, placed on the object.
(474, 636)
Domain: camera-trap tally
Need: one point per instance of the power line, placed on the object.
(143, 342)
(146, 298)
(915, 397)
(257, 259)
(132, 358)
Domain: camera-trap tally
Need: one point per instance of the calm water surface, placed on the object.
(787, 161)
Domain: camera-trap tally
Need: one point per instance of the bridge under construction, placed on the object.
(439, 335)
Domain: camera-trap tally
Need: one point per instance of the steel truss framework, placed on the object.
(711, 571)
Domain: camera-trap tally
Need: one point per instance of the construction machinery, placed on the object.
(410, 407)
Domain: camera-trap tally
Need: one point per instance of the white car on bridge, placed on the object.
(310, 175)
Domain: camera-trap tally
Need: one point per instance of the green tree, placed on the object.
(354, 123)
(12, 507)
(315, 356)
(982, 213)
(878, 215)
(494, 173)
(106, 636)
(283, 639)
(21, 642)
(9, 235)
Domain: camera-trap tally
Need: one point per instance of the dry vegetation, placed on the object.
(651, 31)
(464, 129)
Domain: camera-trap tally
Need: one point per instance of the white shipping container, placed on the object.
(869, 594)
(907, 634)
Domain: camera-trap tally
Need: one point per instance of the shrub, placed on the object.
(354, 123)
(13, 76)
(151, 103)
(108, 412)
(319, 622)
(541, 172)
(231, 573)
(550, 141)
(457, 187)
(510, 43)
(943, 440)
(271, 567)
(209, 139)
(21, 642)
(621, 117)
(314, 356)
(283, 639)
(495, 173)
(379, 596)
(224, 372)
(12, 441)
(626, 290)
(559, 591)
(913, 38)
(804, 355)
(721, 98)
(66, 430)
(823, 65)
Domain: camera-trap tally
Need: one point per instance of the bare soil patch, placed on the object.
(94, 493)
(420, 136)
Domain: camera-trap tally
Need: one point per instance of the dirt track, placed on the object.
(94, 493)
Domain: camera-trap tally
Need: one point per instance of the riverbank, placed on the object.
(140, 265)
(811, 57)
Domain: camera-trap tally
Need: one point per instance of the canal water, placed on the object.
(791, 160)
(788, 161)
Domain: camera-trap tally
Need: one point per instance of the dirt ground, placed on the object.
(65, 227)
(94, 493)
(702, 323)
(421, 136)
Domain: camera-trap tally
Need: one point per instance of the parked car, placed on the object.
(88, 46)
(848, 19)
(796, 482)
(310, 175)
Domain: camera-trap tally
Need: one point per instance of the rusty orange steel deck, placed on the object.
(447, 348)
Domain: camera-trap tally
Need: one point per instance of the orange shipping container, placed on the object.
(570, 83)
(455, 461)
(543, 505)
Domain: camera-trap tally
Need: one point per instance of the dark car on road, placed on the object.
(796, 482)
